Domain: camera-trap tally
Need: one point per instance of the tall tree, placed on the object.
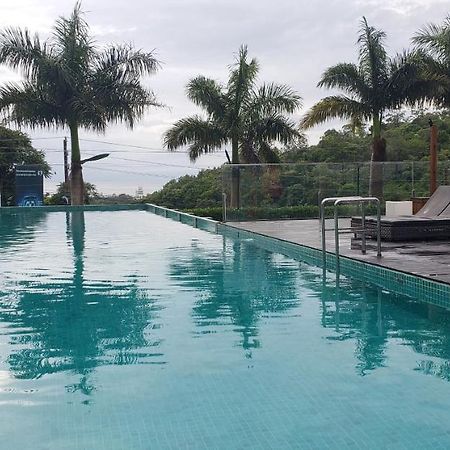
(69, 82)
(433, 43)
(372, 87)
(241, 113)
(16, 148)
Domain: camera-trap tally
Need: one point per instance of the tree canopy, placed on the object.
(248, 116)
(433, 45)
(70, 82)
(373, 87)
(343, 150)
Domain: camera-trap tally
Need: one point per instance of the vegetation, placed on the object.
(62, 195)
(91, 196)
(70, 82)
(247, 116)
(114, 199)
(433, 43)
(292, 190)
(16, 148)
(190, 191)
(372, 88)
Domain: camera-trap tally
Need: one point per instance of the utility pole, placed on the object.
(433, 156)
(66, 163)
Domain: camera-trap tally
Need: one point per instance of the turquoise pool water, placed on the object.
(125, 330)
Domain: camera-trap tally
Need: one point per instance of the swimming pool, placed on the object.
(125, 330)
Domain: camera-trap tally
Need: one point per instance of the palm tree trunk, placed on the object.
(235, 174)
(377, 160)
(76, 177)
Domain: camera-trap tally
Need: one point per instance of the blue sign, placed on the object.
(29, 185)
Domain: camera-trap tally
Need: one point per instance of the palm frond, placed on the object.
(19, 50)
(275, 127)
(122, 102)
(372, 55)
(242, 80)
(114, 89)
(208, 94)
(336, 106)
(407, 83)
(268, 154)
(72, 42)
(433, 44)
(435, 39)
(248, 153)
(203, 136)
(347, 77)
(25, 104)
(124, 62)
(274, 98)
(72, 34)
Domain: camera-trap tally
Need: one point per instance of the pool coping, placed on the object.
(63, 208)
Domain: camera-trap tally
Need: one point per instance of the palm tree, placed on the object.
(433, 45)
(373, 87)
(69, 82)
(241, 113)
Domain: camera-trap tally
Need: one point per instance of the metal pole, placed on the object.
(433, 158)
(66, 163)
(336, 236)
(358, 180)
(413, 188)
(337, 302)
(363, 226)
(322, 227)
(378, 229)
(224, 207)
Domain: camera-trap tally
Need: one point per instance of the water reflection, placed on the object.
(239, 285)
(373, 317)
(19, 228)
(74, 324)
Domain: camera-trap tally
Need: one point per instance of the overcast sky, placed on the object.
(294, 41)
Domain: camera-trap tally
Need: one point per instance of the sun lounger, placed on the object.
(431, 222)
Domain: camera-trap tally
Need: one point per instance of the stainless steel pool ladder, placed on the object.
(362, 230)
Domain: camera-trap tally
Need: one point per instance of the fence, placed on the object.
(294, 190)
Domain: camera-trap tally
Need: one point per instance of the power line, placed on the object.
(159, 164)
(132, 172)
(137, 146)
(109, 169)
(43, 138)
(21, 139)
(151, 162)
(162, 152)
(120, 145)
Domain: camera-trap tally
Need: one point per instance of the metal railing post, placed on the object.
(363, 226)
(358, 188)
(378, 228)
(361, 202)
(224, 207)
(322, 226)
(336, 232)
